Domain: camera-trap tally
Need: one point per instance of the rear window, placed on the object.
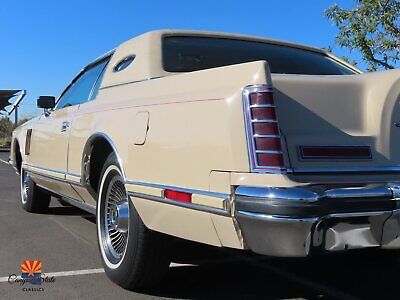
(187, 54)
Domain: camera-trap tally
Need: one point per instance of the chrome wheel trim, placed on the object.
(116, 219)
(25, 178)
(113, 218)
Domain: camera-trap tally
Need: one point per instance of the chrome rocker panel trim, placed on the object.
(79, 204)
(92, 209)
(294, 232)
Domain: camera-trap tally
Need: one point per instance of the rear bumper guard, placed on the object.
(289, 222)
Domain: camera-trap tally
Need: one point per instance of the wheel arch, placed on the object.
(95, 152)
(16, 155)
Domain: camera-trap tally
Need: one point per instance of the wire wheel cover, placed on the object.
(115, 219)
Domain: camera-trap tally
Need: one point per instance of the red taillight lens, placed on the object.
(272, 144)
(263, 113)
(265, 129)
(178, 196)
(264, 140)
(261, 98)
(270, 159)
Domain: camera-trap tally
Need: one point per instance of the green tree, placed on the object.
(372, 27)
(6, 127)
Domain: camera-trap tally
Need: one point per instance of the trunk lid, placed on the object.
(351, 110)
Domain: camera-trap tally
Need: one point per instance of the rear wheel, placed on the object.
(33, 199)
(133, 256)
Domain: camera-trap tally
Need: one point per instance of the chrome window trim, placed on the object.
(131, 82)
(198, 207)
(108, 55)
(98, 78)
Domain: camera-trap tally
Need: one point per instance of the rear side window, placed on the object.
(97, 85)
(186, 54)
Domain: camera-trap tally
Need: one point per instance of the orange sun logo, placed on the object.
(31, 267)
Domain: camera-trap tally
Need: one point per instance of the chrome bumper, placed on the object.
(299, 221)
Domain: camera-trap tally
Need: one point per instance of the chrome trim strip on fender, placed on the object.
(179, 189)
(52, 170)
(73, 175)
(54, 178)
(193, 206)
(45, 169)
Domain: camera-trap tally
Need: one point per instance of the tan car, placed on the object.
(228, 140)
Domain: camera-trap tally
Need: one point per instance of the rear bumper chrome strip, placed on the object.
(296, 222)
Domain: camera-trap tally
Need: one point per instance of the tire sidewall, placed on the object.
(27, 204)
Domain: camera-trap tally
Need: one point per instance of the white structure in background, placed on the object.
(6, 96)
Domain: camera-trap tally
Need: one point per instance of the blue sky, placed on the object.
(45, 43)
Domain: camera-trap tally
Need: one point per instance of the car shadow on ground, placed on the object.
(353, 275)
(227, 281)
(222, 274)
(58, 208)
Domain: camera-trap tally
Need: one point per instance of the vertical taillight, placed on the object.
(262, 128)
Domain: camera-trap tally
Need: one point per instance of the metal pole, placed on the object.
(15, 107)
(16, 117)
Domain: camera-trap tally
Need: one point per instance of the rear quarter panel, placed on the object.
(195, 125)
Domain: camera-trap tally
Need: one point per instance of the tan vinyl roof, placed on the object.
(148, 61)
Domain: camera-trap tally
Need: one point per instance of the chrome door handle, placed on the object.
(65, 126)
